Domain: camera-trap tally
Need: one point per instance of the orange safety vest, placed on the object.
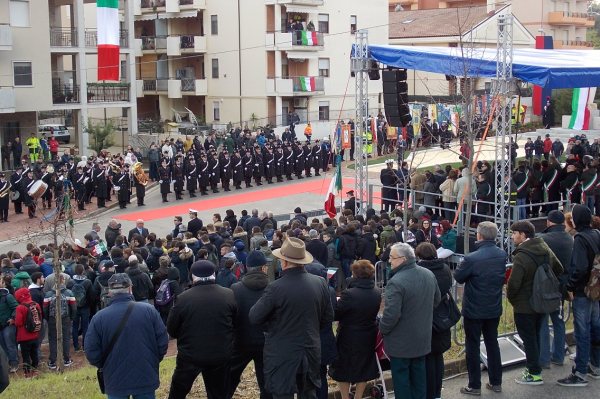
(308, 130)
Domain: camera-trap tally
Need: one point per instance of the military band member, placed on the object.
(122, 184)
(298, 160)
(248, 168)
(49, 179)
(288, 161)
(164, 175)
(79, 187)
(316, 157)
(226, 170)
(4, 198)
(257, 170)
(215, 171)
(279, 163)
(204, 175)
(16, 186)
(268, 161)
(191, 176)
(140, 190)
(238, 169)
(101, 183)
(306, 153)
(178, 179)
(27, 183)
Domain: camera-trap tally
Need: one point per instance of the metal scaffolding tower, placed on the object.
(360, 68)
(503, 88)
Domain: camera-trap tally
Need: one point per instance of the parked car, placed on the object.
(60, 132)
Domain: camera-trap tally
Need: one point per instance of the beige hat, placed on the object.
(293, 250)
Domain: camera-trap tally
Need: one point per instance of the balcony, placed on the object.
(297, 41)
(186, 44)
(154, 85)
(151, 5)
(5, 37)
(7, 100)
(181, 5)
(154, 44)
(295, 86)
(91, 38)
(63, 37)
(302, 2)
(194, 87)
(65, 94)
(107, 92)
(566, 18)
(174, 88)
(573, 44)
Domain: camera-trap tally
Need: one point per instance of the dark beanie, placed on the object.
(256, 259)
(556, 217)
(582, 217)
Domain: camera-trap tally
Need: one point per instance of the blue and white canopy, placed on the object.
(547, 68)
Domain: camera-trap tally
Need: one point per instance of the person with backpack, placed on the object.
(36, 290)
(167, 291)
(68, 308)
(225, 276)
(8, 306)
(82, 291)
(531, 254)
(586, 312)
(28, 320)
(142, 287)
(106, 269)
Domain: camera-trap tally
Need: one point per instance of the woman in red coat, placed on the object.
(28, 340)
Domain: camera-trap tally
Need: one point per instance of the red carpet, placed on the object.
(318, 187)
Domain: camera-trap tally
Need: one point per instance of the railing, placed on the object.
(186, 41)
(153, 3)
(307, 38)
(63, 37)
(307, 84)
(304, 2)
(107, 92)
(160, 84)
(91, 38)
(154, 42)
(65, 93)
(188, 84)
(186, 2)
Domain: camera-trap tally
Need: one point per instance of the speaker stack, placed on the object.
(395, 97)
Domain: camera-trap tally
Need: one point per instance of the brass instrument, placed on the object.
(138, 171)
(115, 168)
(50, 169)
(4, 192)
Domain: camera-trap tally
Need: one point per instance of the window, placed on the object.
(124, 71)
(214, 25)
(19, 13)
(324, 23)
(216, 110)
(215, 68)
(352, 24)
(323, 110)
(22, 73)
(324, 67)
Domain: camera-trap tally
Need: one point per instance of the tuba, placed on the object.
(138, 171)
(4, 192)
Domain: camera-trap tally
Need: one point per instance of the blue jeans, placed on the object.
(150, 395)
(590, 202)
(554, 351)
(409, 377)
(8, 341)
(522, 209)
(80, 323)
(586, 318)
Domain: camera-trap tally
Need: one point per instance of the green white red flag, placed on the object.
(310, 38)
(108, 39)
(580, 114)
(334, 186)
(307, 83)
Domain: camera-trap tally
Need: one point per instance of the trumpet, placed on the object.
(138, 171)
(4, 192)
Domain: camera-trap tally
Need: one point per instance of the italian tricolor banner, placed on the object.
(309, 38)
(334, 186)
(307, 83)
(108, 39)
(580, 114)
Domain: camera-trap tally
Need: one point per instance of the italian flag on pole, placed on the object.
(307, 83)
(108, 39)
(309, 38)
(335, 185)
(580, 114)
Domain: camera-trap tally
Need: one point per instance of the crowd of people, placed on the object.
(249, 288)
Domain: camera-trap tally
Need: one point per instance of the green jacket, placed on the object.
(8, 306)
(387, 236)
(520, 284)
(448, 240)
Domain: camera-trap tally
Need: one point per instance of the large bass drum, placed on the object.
(37, 189)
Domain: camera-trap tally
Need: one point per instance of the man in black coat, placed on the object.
(238, 169)
(249, 339)
(350, 203)
(195, 224)
(122, 186)
(294, 309)
(317, 248)
(202, 321)
(138, 229)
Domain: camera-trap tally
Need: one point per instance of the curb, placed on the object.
(112, 205)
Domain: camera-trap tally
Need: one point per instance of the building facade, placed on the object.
(48, 61)
(252, 62)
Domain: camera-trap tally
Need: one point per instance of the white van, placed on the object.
(60, 132)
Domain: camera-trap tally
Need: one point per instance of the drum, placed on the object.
(37, 189)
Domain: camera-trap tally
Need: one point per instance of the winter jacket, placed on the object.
(255, 241)
(225, 278)
(182, 260)
(411, 295)
(89, 291)
(144, 335)
(366, 248)
(387, 237)
(318, 249)
(8, 305)
(29, 266)
(141, 285)
(202, 321)
(49, 284)
(519, 288)
(272, 262)
(248, 337)
(68, 296)
(24, 298)
(250, 223)
(37, 294)
(110, 235)
(242, 237)
(448, 240)
(293, 309)
(561, 243)
(447, 189)
(482, 272)
(46, 268)
(348, 246)
(153, 258)
(582, 259)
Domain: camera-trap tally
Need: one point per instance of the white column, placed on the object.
(132, 117)
(81, 68)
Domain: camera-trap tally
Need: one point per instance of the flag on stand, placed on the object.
(108, 39)
(309, 38)
(334, 186)
(307, 83)
(99, 249)
(580, 114)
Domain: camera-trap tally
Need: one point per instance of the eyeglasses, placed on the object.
(397, 257)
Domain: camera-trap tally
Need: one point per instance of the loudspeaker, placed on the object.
(374, 70)
(395, 97)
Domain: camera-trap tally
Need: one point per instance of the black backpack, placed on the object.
(33, 320)
(546, 296)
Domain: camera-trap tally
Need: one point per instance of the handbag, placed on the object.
(446, 314)
(111, 344)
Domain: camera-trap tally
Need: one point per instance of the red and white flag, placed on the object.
(335, 185)
(108, 39)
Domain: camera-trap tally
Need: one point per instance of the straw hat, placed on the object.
(293, 250)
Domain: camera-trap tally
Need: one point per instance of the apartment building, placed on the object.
(48, 62)
(251, 61)
(429, 4)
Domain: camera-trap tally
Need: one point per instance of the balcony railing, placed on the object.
(307, 38)
(307, 84)
(63, 37)
(188, 84)
(303, 2)
(570, 18)
(156, 85)
(65, 93)
(572, 44)
(91, 38)
(154, 42)
(153, 3)
(186, 41)
(186, 2)
(107, 92)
